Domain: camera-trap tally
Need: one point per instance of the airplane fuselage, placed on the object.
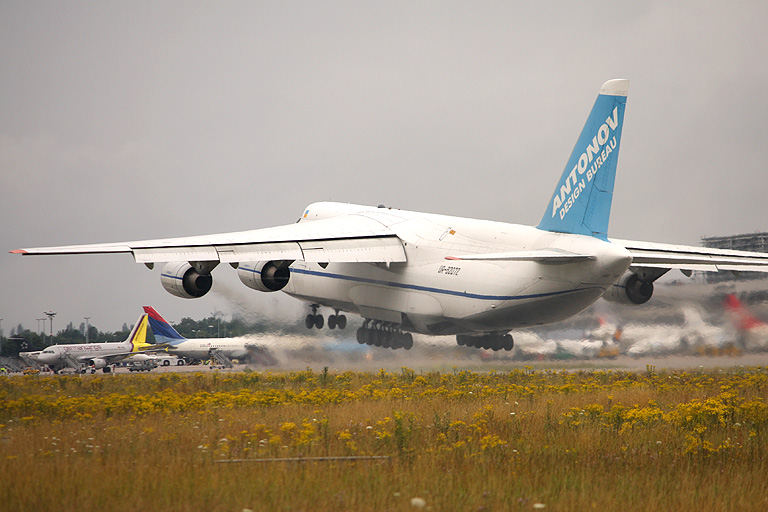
(58, 355)
(202, 348)
(434, 295)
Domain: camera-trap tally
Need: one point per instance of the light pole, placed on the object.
(86, 328)
(51, 314)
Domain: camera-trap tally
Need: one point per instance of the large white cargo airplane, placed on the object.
(100, 355)
(409, 272)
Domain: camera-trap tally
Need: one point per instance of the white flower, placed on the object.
(539, 506)
(418, 502)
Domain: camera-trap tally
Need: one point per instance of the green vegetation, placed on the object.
(457, 440)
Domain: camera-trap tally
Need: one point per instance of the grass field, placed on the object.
(517, 440)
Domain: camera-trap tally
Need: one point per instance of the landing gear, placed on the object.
(316, 320)
(493, 342)
(337, 320)
(383, 334)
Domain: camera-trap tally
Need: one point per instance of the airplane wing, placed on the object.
(684, 257)
(345, 238)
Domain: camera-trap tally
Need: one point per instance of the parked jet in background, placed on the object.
(409, 272)
(201, 348)
(753, 332)
(99, 355)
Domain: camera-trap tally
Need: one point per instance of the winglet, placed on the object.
(18, 251)
(163, 331)
(581, 203)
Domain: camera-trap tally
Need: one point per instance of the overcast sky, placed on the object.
(133, 120)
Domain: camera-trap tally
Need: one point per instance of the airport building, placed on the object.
(755, 242)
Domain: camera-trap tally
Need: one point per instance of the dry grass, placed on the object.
(459, 440)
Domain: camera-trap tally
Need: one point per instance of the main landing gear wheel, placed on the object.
(493, 342)
(384, 335)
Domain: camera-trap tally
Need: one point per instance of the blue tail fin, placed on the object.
(581, 203)
(163, 331)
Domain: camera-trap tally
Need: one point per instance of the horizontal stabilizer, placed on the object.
(683, 257)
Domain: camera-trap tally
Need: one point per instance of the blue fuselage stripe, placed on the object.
(394, 284)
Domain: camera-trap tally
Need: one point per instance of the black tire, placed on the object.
(309, 322)
(332, 321)
(319, 321)
(341, 321)
(407, 341)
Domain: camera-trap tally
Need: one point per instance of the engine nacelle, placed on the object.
(97, 362)
(179, 278)
(265, 276)
(630, 290)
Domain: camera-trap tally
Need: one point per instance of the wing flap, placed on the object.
(163, 254)
(259, 252)
(365, 250)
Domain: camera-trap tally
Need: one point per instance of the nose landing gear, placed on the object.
(314, 319)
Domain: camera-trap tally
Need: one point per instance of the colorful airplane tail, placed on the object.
(138, 336)
(743, 319)
(163, 331)
(581, 203)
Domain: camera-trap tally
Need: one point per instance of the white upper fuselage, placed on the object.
(431, 294)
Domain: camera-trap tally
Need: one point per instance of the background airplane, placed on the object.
(222, 350)
(407, 272)
(752, 332)
(99, 355)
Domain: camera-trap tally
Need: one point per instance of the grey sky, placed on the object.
(133, 120)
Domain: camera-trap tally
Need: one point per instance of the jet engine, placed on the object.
(630, 289)
(265, 276)
(97, 362)
(179, 278)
